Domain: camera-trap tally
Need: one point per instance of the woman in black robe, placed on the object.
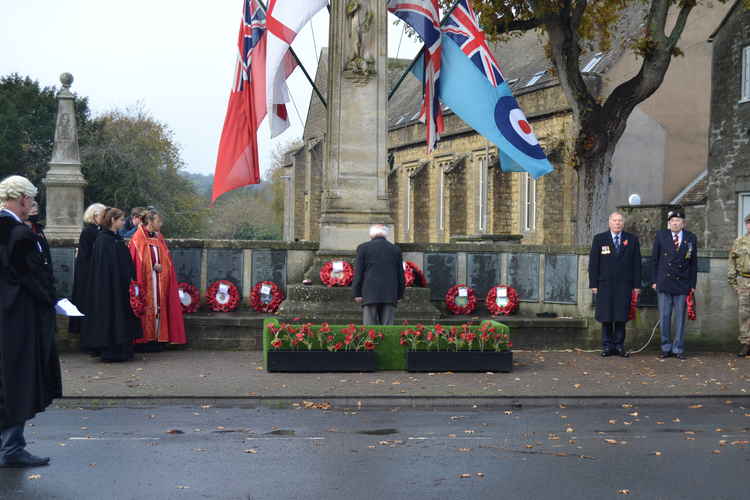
(111, 326)
(91, 220)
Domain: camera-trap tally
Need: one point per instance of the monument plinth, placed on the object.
(355, 192)
(64, 180)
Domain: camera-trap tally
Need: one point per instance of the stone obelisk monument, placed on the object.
(64, 180)
(355, 191)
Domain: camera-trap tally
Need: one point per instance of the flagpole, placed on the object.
(302, 67)
(421, 51)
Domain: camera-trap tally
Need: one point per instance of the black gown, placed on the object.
(111, 326)
(81, 275)
(29, 365)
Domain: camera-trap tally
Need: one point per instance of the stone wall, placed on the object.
(547, 278)
(729, 131)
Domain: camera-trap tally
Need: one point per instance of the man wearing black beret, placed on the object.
(675, 261)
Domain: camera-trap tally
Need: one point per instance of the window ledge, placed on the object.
(743, 101)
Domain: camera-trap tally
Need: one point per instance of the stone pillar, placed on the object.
(64, 180)
(355, 192)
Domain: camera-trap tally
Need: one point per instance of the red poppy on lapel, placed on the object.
(625, 242)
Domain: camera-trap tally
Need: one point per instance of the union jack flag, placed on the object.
(252, 28)
(463, 28)
(424, 17)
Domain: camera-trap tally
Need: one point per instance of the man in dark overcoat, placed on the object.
(614, 273)
(29, 365)
(675, 270)
(379, 278)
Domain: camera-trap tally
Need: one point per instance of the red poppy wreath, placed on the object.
(502, 300)
(190, 298)
(222, 296)
(336, 273)
(413, 275)
(266, 296)
(137, 301)
(460, 299)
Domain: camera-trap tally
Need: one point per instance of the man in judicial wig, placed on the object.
(614, 274)
(29, 365)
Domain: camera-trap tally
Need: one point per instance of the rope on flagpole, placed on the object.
(299, 115)
(401, 38)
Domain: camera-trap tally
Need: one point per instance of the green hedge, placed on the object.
(391, 355)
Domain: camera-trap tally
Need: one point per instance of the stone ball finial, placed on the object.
(66, 79)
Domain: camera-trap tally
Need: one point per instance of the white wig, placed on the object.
(378, 230)
(15, 186)
(91, 212)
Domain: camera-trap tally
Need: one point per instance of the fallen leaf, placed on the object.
(695, 406)
(180, 487)
(627, 405)
(716, 452)
(35, 476)
(508, 412)
(468, 431)
(175, 431)
(569, 429)
(464, 476)
(676, 420)
(451, 435)
(577, 386)
(464, 450)
(633, 414)
(612, 421)
(480, 474)
(623, 492)
(610, 441)
(252, 451)
(657, 453)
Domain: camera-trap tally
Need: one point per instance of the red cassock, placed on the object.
(162, 320)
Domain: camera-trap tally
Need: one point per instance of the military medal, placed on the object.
(606, 250)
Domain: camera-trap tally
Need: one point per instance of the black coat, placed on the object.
(675, 270)
(29, 364)
(378, 272)
(110, 321)
(81, 275)
(615, 274)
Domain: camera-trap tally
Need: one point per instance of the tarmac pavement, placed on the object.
(536, 374)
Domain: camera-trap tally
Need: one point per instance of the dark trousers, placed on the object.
(378, 314)
(11, 441)
(669, 303)
(613, 336)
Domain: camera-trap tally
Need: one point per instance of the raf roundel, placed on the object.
(516, 128)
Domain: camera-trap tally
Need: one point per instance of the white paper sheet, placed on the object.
(338, 266)
(223, 288)
(265, 290)
(64, 307)
(463, 292)
(502, 292)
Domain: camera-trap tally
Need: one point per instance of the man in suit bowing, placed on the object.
(614, 273)
(675, 261)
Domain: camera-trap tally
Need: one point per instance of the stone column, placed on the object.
(355, 193)
(64, 180)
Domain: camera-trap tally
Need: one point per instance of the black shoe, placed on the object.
(24, 459)
(665, 355)
(744, 351)
(606, 354)
(623, 353)
(681, 356)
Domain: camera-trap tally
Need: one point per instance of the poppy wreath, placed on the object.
(691, 312)
(344, 279)
(509, 308)
(190, 298)
(137, 301)
(453, 307)
(222, 302)
(277, 297)
(413, 275)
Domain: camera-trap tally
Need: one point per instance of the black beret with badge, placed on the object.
(677, 212)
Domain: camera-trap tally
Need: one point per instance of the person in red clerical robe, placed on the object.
(162, 320)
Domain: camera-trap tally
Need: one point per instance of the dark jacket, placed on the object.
(615, 274)
(378, 272)
(29, 364)
(675, 271)
(81, 275)
(111, 321)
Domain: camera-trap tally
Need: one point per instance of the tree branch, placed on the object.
(681, 22)
(501, 27)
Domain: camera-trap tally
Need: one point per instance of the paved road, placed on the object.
(585, 449)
